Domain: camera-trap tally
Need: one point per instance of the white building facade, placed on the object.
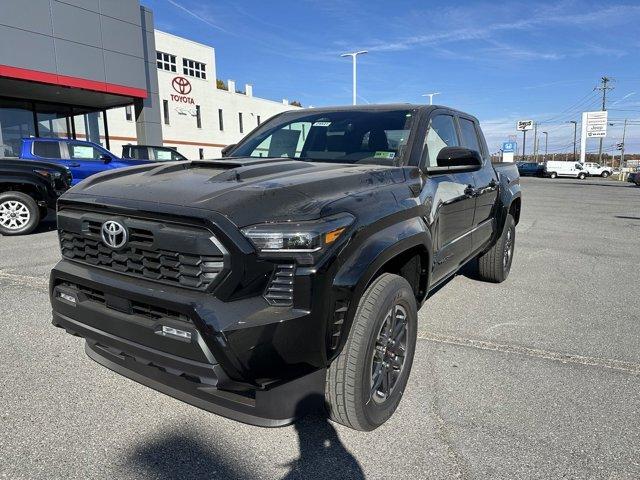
(197, 118)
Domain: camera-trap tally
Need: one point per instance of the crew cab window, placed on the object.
(163, 154)
(83, 152)
(442, 133)
(469, 135)
(47, 149)
(373, 137)
(138, 153)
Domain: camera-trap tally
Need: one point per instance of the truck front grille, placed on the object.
(161, 265)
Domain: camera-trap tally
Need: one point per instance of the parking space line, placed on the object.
(619, 365)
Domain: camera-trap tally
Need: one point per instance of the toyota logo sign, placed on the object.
(114, 234)
(181, 85)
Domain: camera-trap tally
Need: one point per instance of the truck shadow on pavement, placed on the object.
(183, 455)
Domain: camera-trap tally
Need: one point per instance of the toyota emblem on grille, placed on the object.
(114, 234)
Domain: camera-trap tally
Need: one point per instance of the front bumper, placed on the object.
(246, 360)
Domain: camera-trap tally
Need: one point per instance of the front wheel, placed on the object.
(582, 176)
(495, 265)
(553, 175)
(366, 381)
(605, 174)
(19, 213)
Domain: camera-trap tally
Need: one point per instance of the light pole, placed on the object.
(353, 56)
(575, 131)
(430, 95)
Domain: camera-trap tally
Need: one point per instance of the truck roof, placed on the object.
(382, 107)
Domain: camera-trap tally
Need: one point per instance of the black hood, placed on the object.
(246, 190)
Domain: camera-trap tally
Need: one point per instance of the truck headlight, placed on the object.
(297, 237)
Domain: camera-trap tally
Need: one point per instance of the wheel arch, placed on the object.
(404, 248)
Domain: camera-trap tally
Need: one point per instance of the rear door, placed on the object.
(56, 152)
(485, 179)
(453, 201)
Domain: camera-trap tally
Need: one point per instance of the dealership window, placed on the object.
(220, 122)
(194, 69)
(165, 110)
(240, 122)
(53, 120)
(166, 61)
(201, 153)
(128, 114)
(16, 122)
(198, 117)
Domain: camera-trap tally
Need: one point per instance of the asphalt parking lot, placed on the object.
(538, 377)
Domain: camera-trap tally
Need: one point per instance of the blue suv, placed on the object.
(82, 158)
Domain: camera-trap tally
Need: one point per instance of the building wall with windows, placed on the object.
(196, 117)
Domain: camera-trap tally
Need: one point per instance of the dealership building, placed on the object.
(98, 70)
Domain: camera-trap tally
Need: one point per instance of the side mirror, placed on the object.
(457, 159)
(106, 158)
(227, 149)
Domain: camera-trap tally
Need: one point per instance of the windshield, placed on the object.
(373, 137)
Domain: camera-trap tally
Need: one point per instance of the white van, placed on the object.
(565, 169)
(597, 170)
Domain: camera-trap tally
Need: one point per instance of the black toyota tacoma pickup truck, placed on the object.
(289, 271)
(28, 192)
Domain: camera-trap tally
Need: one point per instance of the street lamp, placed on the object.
(546, 142)
(353, 55)
(575, 131)
(430, 95)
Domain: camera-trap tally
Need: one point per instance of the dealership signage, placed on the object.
(523, 125)
(596, 124)
(182, 87)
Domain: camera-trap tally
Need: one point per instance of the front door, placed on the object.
(453, 201)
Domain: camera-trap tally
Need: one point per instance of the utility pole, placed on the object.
(575, 132)
(604, 82)
(546, 144)
(524, 143)
(624, 132)
(353, 55)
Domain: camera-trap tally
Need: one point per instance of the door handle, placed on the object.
(469, 191)
(74, 164)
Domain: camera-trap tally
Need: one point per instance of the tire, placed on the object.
(605, 174)
(19, 213)
(553, 175)
(582, 176)
(495, 265)
(351, 395)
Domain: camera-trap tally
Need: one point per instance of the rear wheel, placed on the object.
(366, 381)
(19, 213)
(495, 265)
(553, 175)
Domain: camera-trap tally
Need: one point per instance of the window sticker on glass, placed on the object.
(81, 151)
(321, 124)
(163, 155)
(388, 155)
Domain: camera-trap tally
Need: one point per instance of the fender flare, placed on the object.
(364, 261)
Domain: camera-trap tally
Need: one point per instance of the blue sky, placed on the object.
(501, 61)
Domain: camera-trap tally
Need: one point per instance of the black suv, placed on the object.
(293, 269)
